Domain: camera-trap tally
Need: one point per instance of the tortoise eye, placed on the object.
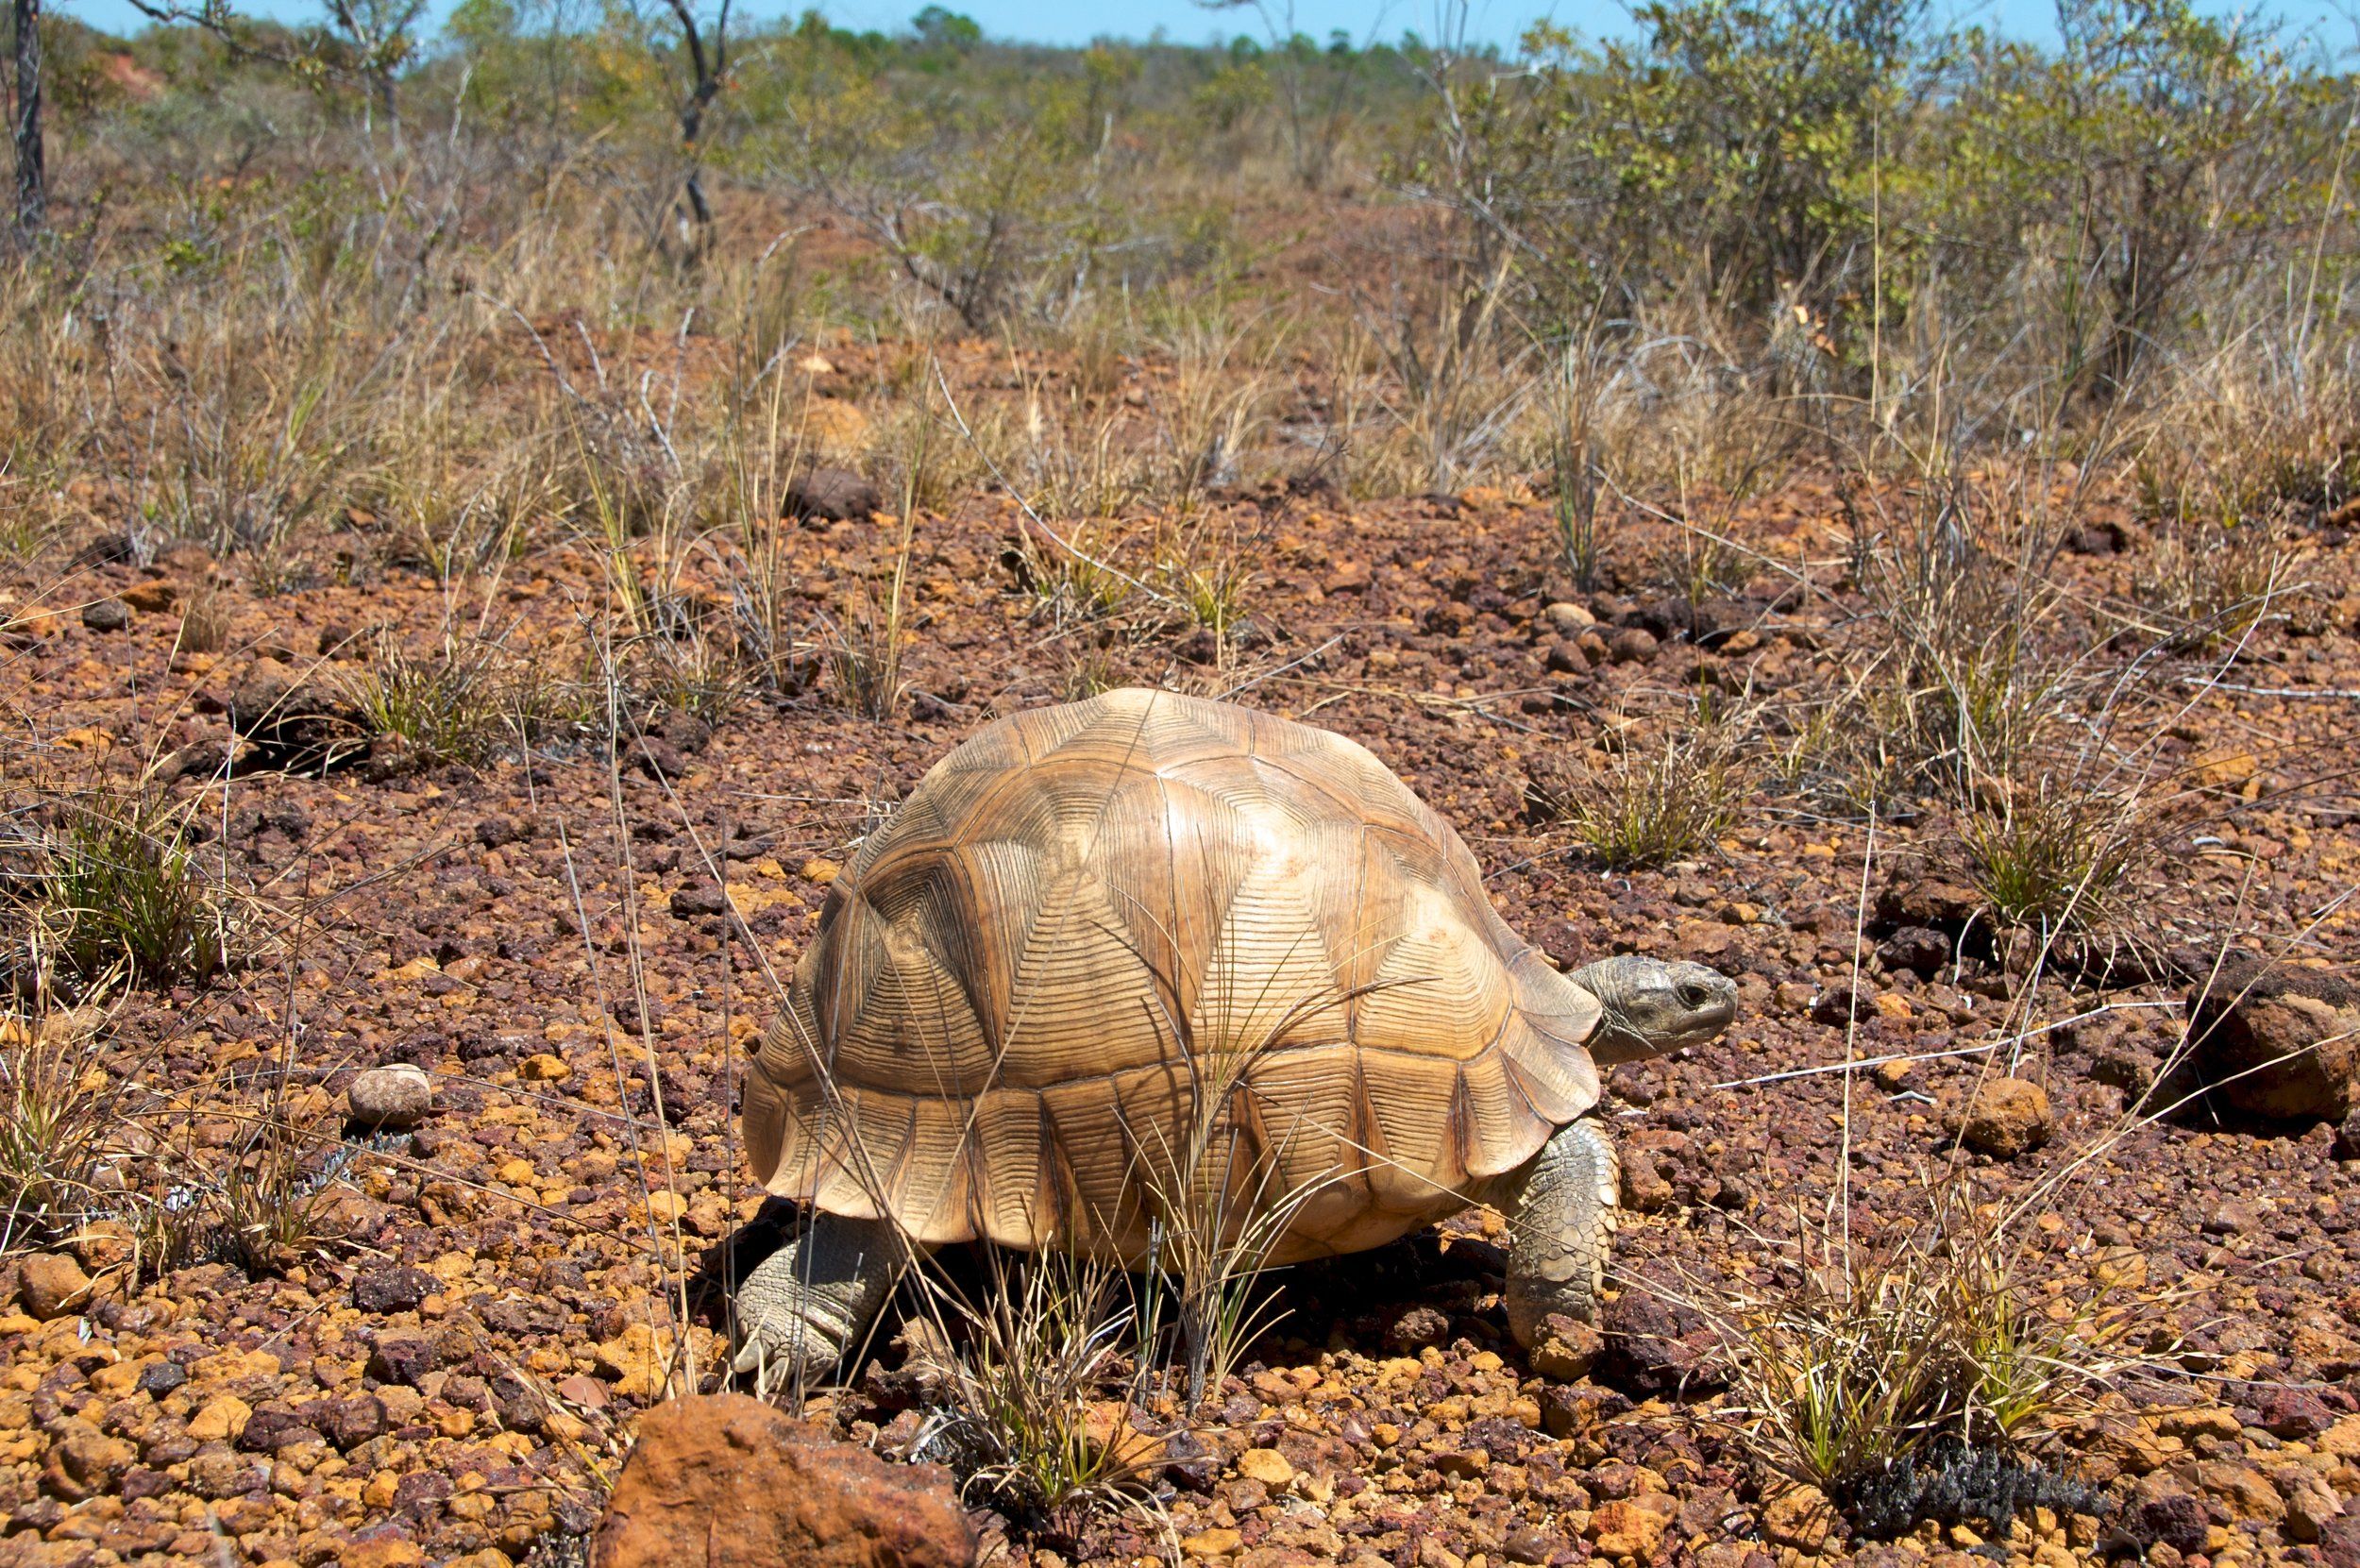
(1693, 995)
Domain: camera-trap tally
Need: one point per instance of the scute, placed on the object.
(1088, 918)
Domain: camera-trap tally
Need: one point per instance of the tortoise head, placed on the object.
(1654, 1005)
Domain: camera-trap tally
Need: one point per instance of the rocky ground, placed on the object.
(454, 1372)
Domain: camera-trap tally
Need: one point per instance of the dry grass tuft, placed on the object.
(1871, 1370)
(1649, 799)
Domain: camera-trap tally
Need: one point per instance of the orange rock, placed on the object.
(727, 1482)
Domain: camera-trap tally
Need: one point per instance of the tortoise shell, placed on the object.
(1114, 951)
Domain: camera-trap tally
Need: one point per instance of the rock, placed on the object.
(1568, 619)
(1797, 1517)
(392, 1290)
(543, 1067)
(2339, 1542)
(2245, 1491)
(1631, 1527)
(658, 758)
(1844, 1004)
(402, 1359)
(1927, 902)
(2278, 1043)
(832, 496)
(1417, 1328)
(225, 1417)
(698, 897)
(83, 1461)
(727, 1482)
(1266, 1466)
(105, 615)
(1631, 645)
(51, 1285)
(2312, 1509)
(397, 1096)
(2346, 1144)
(1654, 1346)
(1566, 1350)
(2163, 1512)
(151, 598)
(835, 431)
(1566, 658)
(2002, 1117)
(1921, 949)
(2291, 1413)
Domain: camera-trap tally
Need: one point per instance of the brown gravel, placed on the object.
(457, 1379)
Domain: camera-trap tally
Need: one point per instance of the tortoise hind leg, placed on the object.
(803, 1307)
(1560, 1208)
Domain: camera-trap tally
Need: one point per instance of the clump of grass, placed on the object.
(460, 703)
(61, 1111)
(2053, 855)
(117, 886)
(1647, 803)
(271, 1207)
(2213, 583)
(1022, 1412)
(204, 620)
(1892, 1374)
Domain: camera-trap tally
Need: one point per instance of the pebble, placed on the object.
(396, 1096)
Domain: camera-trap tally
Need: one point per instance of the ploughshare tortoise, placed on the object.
(1094, 932)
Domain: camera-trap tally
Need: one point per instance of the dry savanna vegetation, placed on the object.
(490, 518)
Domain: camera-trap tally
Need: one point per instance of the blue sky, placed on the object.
(1079, 20)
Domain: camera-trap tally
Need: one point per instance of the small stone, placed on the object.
(1798, 1518)
(2280, 1042)
(1632, 1527)
(397, 1096)
(1567, 1348)
(83, 1461)
(1921, 949)
(105, 615)
(151, 597)
(403, 1359)
(543, 1067)
(1568, 619)
(1218, 1542)
(158, 1379)
(1566, 658)
(392, 1290)
(1632, 645)
(1266, 1466)
(1417, 1328)
(2292, 1413)
(832, 496)
(51, 1285)
(2003, 1117)
(1844, 1004)
(698, 897)
(222, 1418)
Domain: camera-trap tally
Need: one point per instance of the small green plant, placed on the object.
(2053, 855)
(1648, 802)
(120, 887)
(458, 704)
(273, 1199)
(61, 1112)
(1574, 504)
(1022, 1404)
(1864, 1360)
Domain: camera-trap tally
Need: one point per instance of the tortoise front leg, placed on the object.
(1560, 1217)
(803, 1307)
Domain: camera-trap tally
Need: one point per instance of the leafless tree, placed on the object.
(708, 52)
(32, 184)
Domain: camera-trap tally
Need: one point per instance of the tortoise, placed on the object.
(1095, 932)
